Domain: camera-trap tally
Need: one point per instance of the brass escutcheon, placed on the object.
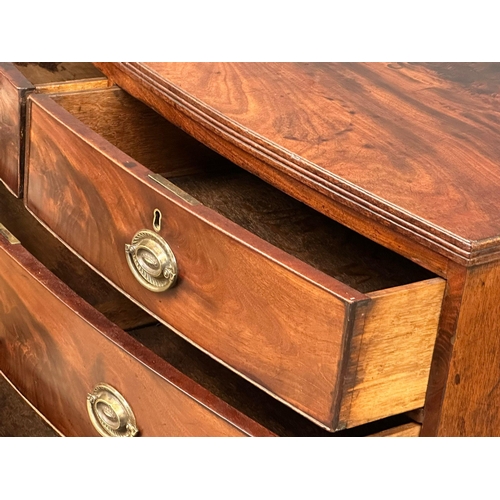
(152, 261)
(110, 413)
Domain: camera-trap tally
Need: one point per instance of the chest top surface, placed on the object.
(417, 144)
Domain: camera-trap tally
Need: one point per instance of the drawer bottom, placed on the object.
(17, 416)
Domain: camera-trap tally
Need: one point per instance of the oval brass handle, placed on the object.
(110, 413)
(152, 261)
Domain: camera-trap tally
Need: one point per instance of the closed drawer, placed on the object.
(330, 323)
(55, 349)
(17, 81)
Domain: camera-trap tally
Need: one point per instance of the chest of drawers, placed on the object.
(290, 221)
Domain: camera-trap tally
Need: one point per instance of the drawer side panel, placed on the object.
(390, 355)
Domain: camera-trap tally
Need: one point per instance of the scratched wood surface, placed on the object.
(56, 348)
(412, 145)
(236, 293)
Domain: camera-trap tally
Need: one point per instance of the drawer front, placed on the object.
(13, 89)
(277, 321)
(55, 349)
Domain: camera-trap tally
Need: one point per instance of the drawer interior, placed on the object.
(201, 368)
(240, 196)
(17, 417)
(40, 73)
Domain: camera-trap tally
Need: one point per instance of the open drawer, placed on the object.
(17, 81)
(55, 348)
(61, 353)
(323, 319)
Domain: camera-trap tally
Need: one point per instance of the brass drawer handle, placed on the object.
(152, 261)
(110, 413)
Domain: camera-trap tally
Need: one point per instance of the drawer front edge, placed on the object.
(55, 348)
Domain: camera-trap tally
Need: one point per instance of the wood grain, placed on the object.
(443, 348)
(236, 293)
(228, 386)
(241, 197)
(40, 73)
(300, 231)
(229, 300)
(13, 90)
(141, 133)
(17, 81)
(471, 400)
(55, 349)
(409, 145)
(67, 266)
(19, 419)
(406, 430)
(391, 355)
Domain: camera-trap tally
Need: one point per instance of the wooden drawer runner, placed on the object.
(55, 348)
(17, 81)
(330, 323)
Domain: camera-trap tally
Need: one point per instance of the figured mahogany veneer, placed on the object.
(55, 348)
(17, 81)
(67, 266)
(17, 418)
(413, 147)
(340, 356)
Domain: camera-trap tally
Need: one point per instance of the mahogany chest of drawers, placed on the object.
(247, 249)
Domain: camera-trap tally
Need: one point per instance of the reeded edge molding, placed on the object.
(458, 249)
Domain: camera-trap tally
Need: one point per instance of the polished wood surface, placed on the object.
(183, 356)
(413, 146)
(17, 81)
(56, 348)
(236, 293)
(13, 89)
(239, 196)
(443, 348)
(300, 231)
(67, 266)
(471, 397)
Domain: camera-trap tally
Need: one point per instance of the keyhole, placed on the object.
(156, 220)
